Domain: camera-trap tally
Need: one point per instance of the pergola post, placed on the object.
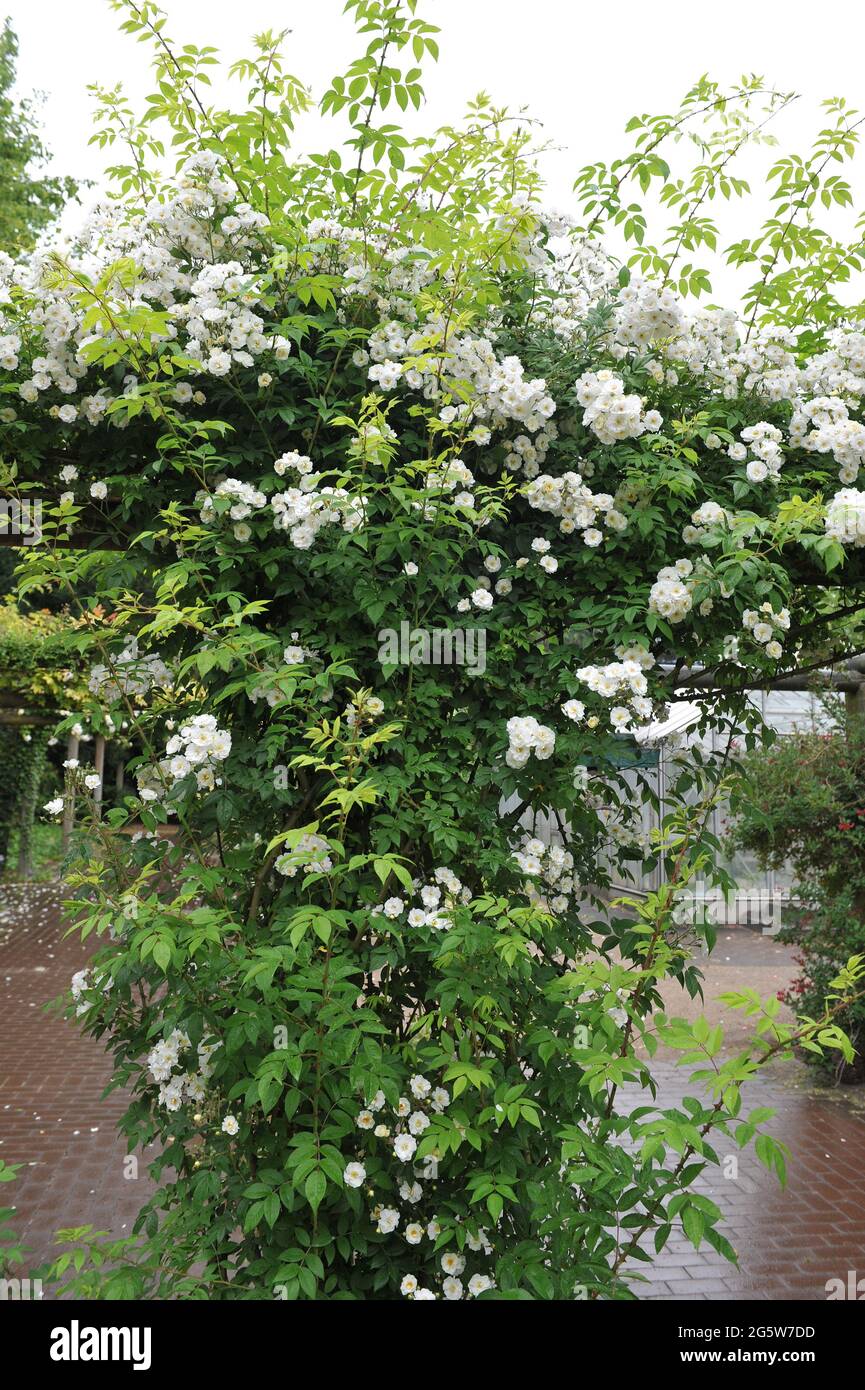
(72, 746)
(99, 766)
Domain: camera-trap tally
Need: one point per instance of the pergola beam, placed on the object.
(8, 719)
(848, 681)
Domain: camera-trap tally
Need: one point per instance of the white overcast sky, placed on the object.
(581, 69)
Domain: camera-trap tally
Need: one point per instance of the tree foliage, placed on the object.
(30, 200)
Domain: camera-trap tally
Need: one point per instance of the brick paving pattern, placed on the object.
(791, 1240)
(53, 1121)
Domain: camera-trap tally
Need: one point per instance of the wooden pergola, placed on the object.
(847, 679)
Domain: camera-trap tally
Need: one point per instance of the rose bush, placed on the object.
(283, 411)
(803, 805)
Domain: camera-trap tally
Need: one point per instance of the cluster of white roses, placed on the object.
(621, 823)
(222, 330)
(647, 313)
(186, 248)
(451, 483)
(609, 412)
(10, 343)
(177, 1082)
(437, 901)
(823, 426)
(708, 338)
(764, 364)
(578, 507)
(452, 1267)
(199, 747)
(764, 625)
(303, 511)
(198, 257)
(573, 276)
(553, 866)
(526, 455)
(300, 463)
(84, 980)
(840, 370)
(708, 342)
(78, 776)
(763, 441)
(670, 595)
(824, 389)
(623, 677)
(527, 736)
(269, 688)
(373, 266)
(311, 854)
(845, 517)
(707, 515)
(400, 1127)
(78, 984)
(129, 675)
(482, 594)
(655, 320)
(501, 392)
(245, 501)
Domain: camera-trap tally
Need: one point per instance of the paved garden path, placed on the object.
(51, 1079)
(53, 1121)
(791, 1240)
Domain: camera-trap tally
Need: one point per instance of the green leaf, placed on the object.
(315, 1188)
(694, 1224)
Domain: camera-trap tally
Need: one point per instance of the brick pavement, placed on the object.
(791, 1240)
(53, 1120)
(52, 1117)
